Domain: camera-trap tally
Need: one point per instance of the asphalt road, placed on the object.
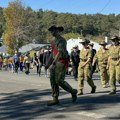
(24, 97)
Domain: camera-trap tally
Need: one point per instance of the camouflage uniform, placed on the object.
(102, 58)
(85, 72)
(57, 75)
(114, 53)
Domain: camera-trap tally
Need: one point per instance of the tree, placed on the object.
(19, 25)
(2, 22)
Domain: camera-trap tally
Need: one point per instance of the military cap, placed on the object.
(115, 38)
(84, 41)
(60, 29)
(27, 53)
(103, 43)
(75, 47)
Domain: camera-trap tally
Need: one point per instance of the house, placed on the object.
(31, 46)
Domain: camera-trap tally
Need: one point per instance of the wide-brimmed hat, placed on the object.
(103, 43)
(115, 38)
(84, 41)
(60, 29)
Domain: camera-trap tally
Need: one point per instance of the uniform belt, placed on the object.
(114, 59)
(84, 60)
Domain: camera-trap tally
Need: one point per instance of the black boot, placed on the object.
(55, 101)
(74, 95)
(112, 92)
(93, 90)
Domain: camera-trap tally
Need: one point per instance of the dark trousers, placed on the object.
(27, 67)
(75, 70)
(93, 69)
(16, 67)
(37, 66)
(21, 66)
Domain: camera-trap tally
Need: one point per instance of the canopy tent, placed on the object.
(72, 42)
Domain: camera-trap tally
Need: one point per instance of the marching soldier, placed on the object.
(101, 58)
(84, 69)
(114, 63)
(57, 64)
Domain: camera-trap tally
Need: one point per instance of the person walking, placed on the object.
(101, 59)
(21, 59)
(114, 63)
(40, 60)
(75, 61)
(84, 69)
(46, 56)
(27, 61)
(93, 52)
(35, 62)
(16, 62)
(57, 64)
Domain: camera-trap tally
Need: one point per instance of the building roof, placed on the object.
(3, 49)
(30, 47)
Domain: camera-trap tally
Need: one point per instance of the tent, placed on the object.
(72, 42)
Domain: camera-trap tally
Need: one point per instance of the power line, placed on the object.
(105, 5)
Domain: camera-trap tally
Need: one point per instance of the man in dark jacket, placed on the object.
(75, 61)
(46, 56)
(93, 52)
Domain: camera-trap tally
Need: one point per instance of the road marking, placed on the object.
(90, 114)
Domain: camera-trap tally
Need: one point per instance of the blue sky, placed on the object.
(72, 6)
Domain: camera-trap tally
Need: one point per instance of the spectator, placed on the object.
(46, 56)
(75, 61)
(27, 61)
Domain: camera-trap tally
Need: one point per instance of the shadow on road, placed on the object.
(29, 104)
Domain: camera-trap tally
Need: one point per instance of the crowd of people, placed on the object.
(25, 62)
(81, 63)
(106, 61)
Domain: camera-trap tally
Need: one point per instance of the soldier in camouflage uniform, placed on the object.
(57, 64)
(84, 69)
(114, 63)
(101, 58)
